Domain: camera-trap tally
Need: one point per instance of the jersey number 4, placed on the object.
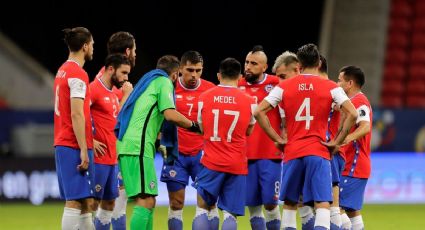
(216, 113)
(307, 117)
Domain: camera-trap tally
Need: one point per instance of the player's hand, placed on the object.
(99, 148)
(127, 88)
(84, 160)
(195, 127)
(332, 146)
(280, 144)
(163, 150)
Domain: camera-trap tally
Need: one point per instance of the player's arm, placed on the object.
(126, 88)
(264, 122)
(78, 125)
(251, 125)
(350, 118)
(177, 118)
(283, 133)
(363, 125)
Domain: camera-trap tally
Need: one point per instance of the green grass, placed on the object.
(48, 216)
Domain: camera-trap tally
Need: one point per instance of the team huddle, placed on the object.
(250, 141)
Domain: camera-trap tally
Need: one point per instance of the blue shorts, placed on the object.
(228, 189)
(337, 166)
(263, 182)
(177, 175)
(351, 193)
(308, 176)
(73, 184)
(106, 187)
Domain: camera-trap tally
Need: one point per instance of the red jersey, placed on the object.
(228, 112)
(71, 81)
(117, 91)
(357, 153)
(306, 100)
(259, 145)
(104, 109)
(333, 126)
(190, 143)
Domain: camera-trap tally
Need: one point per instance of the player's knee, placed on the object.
(270, 207)
(176, 204)
(107, 205)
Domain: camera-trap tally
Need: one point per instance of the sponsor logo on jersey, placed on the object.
(189, 98)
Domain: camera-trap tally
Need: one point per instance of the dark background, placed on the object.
(217, 29)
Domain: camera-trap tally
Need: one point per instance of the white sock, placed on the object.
(289, 219)
(274, 214)
(86, 222)
(104, 216)
(200, 211)
(306, 213)
(346, 222)
(357, 222)
(213, 213)
(70, 218)
(228, 215)
(323, 218)
(120, 205)
(255, 211)
(176, 214)
(336, 216)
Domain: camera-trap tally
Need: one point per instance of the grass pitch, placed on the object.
(48, 216)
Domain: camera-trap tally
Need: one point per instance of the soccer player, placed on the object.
(286, 65)
(121, 43)
(264, 159)
(306, 100)
(188, 88)
(225, 115)
(338, 159)
(105, 108)
(357, 148)
(73, 131)
(139, 123)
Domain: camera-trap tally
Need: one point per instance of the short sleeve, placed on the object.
(339, 96)
(77, 88)
(363, 112)
(166, 94)
(275, 96)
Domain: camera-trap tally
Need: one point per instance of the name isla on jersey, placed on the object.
(305, 87)
(224, 99)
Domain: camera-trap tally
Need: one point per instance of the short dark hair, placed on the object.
(257, 48)
(119, 42)
(191, 56)
(353, 73)
(168, 63)
(230, 68)
(75, 38)
(308, 55)
(116, 60)
(324, 65)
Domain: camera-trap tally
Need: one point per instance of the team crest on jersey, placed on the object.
(152, 184)
(268, 88)
(98, 188)
(189, 98)
(242, 88)
(173, 173)
(107, 99)
(254, 89)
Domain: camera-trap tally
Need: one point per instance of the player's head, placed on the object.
(309, 56)
(123, 43)
(230, 69)
(118, 66)
(255, 64)
(79, 39)
(191, 66)
(286, 65)
(170, 64)
(323, 69)
(351, 77)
